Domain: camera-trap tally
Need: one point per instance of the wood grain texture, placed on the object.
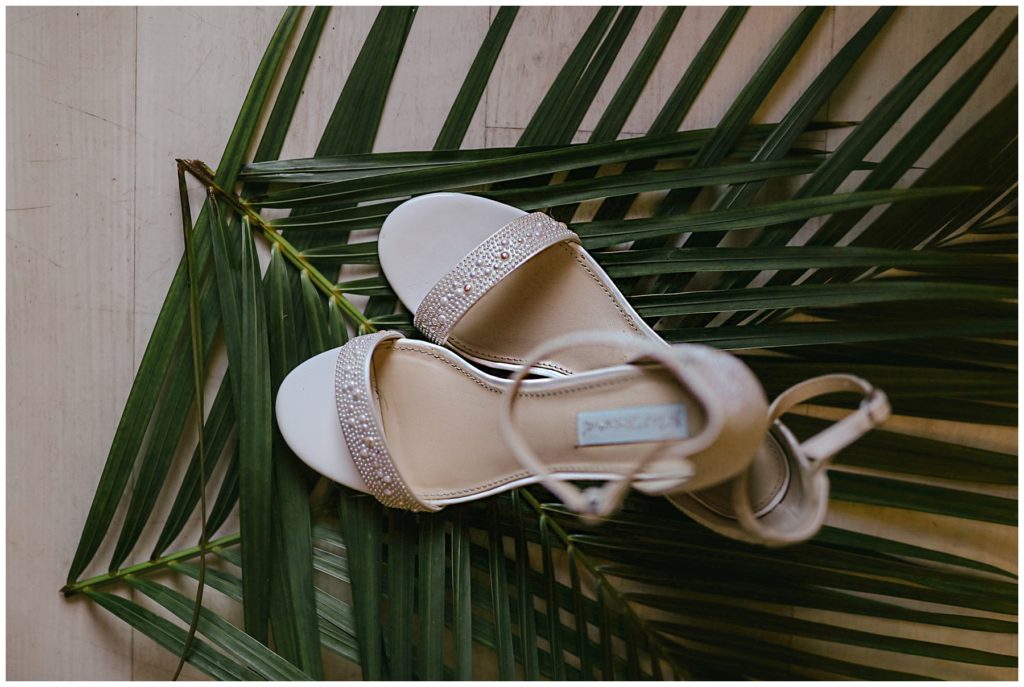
(100, 102)
(70, 309)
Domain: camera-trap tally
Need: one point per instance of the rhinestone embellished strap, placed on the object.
(361, 423)
(486, 265)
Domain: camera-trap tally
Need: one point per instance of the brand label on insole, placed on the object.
(631, 425)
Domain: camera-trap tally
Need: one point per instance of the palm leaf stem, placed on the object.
(149, 566)
(199, 170)
(198, 379)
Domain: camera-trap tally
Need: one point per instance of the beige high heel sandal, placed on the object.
(418, 428)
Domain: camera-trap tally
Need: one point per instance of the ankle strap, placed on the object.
(814, 455)
(594, 503)
(873, 411)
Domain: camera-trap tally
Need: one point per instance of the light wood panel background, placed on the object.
(101, 100)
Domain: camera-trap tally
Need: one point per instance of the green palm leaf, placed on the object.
(292, 601)
(157, 358)
(171, 637)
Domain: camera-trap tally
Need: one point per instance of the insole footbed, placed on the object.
(556, 292)
(440, 421)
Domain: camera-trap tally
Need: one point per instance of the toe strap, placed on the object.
(361, 424)
(499, 255)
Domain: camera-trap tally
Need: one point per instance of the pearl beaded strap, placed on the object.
(361, 424)
(486, 265)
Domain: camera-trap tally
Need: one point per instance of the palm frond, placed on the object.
(516, 587)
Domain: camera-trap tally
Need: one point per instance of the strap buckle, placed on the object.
(876, 405)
